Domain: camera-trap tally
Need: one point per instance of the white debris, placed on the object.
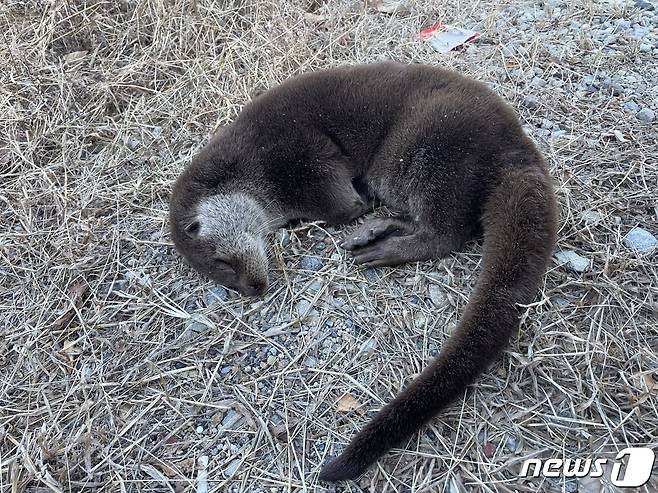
(443, 37)
(202, 474)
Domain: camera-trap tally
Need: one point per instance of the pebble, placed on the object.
(117, 286)
(368, 347)
(194, 326)
(271, 360)
(314, 287)
(508, 50)
(644, 5)
(218, 293)
(511, 443)
(283, 237)
(530, 102)
(139, 277)
(612, 87)
(631, 107)
(572, 260)
(591, 217)
(646, 115)
(559, 301)
(437, 294)
(199, 429)
(310, 362)
(232, 468)
(538, 82)
(571, 486)
(305, 311)
(311, 263)
(231, 418)
(641, 240)
(420, 320)
(371, 274)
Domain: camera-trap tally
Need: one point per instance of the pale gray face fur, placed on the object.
(226, 242)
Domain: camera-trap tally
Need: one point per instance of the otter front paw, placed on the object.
(371, 231)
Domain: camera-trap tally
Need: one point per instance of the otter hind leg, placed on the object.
(397, 240)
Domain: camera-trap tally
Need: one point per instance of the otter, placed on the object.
(443, 151)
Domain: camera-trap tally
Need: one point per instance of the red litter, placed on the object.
(443, 37)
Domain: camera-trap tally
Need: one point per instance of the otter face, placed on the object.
(225, 241)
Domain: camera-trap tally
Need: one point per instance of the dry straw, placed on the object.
(116, 374)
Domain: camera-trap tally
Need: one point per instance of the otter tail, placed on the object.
(519, 223)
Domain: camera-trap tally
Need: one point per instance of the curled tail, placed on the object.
(519, 223)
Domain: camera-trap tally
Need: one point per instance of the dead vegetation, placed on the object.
(118, 372)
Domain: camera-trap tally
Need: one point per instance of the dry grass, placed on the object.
(103, 102)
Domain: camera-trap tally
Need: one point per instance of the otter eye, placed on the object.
(192, 229)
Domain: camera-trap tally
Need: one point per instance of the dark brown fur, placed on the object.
(444, 151)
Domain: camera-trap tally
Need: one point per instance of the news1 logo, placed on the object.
(636, 472)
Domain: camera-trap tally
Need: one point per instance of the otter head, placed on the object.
(225, 240)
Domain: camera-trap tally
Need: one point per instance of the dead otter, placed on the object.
(442, 149)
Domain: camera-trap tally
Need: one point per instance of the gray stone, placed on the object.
(508, 50)
(305, 311)
(538, 82)
(631, 107)
(646, 115)
(139, 277)
(283, 236)
(559, 301)
(571, 486)
(641, 240)
(218, 293)
(644, 5)
(231, 468)
(511, 443)
(437, 295)
(612, 87)
(623, 24)
(196, 325)
(117, 286)
(572, 260)
(314, 287)
(311, 263)
(231, 418)
(530, 102)
(591, 217)
(368, 347)
(371, 274)
(311, 362)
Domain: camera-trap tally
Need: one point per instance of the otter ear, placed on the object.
(192, 229)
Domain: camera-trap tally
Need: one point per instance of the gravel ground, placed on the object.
(122, 370)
